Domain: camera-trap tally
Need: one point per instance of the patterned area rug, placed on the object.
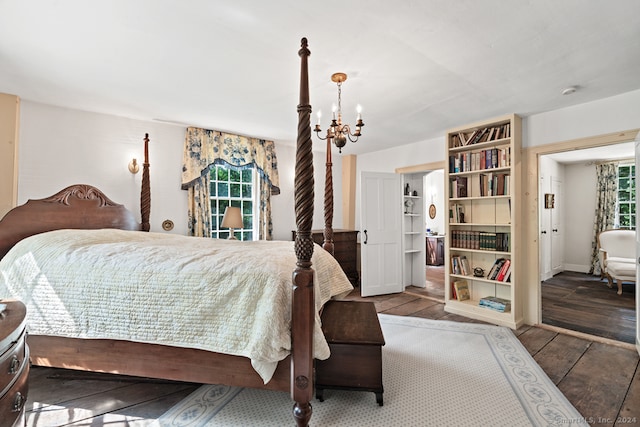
(435, 373)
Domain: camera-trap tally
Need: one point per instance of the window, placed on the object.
(627, 196)
(230, 186)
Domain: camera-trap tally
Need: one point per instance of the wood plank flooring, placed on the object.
(602, 381)
(583, 302)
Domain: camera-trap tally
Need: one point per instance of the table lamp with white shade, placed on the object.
(232, 219)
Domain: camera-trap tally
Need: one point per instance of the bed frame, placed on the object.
(86, 207)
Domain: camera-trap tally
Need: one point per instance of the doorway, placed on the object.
(570, 297)
(435, 222)
(436, 215)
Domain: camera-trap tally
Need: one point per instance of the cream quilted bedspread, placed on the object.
(224, 296)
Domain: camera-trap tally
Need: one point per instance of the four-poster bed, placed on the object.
(85, 207)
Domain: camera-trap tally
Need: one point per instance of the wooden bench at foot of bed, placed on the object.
(353, 331)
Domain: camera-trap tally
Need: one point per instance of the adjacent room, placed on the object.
(278, 213)
(577, 292)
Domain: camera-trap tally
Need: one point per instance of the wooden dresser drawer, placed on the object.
(345, 250)
(12, 403)
(14, 363)
(11, 362)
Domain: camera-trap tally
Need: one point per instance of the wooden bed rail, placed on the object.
(302, 310)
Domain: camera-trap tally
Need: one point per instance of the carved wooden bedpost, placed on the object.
(302, 311)
(328, 202)
(145, 192)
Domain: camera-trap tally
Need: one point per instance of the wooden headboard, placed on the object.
(78, 206)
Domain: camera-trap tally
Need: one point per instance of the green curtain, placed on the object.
(605, 215)
(204, 148)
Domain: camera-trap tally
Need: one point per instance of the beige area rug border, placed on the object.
(436, 372)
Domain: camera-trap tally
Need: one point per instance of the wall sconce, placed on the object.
(134, 167)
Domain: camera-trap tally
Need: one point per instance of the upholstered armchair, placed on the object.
(617, 253)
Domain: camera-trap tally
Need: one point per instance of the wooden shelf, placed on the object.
(478, 224)
(482, 213)
(480, 279)
(461, 199)
(472, 308)
(481, 145)
(477, 171)
(413, 231)
(502, 253)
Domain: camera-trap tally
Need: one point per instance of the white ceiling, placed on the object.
(417, 67)
(624, 150)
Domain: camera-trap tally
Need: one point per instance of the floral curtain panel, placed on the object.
(606, 189)
(204, 148)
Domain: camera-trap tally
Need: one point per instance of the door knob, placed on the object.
(544, 232)
(555, 230)
(365, 237)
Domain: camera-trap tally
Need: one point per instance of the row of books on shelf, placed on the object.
(460, 291)
(483, 240)
(489, 184)
(460, 265)
(494, 184)
(500, 270)
(485, 159)
(456, 213)
(490, 133)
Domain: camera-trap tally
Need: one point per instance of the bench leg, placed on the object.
(320, 394)
(619, 281)
(379, 398)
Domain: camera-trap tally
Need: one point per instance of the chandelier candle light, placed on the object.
(337, 132)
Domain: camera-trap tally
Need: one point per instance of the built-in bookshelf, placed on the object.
(413, 230)
(482, 248)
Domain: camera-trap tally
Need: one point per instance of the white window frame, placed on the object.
(632, 197)
(217, 214)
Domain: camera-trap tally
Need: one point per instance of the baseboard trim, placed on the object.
(578, 268)
(588, 337)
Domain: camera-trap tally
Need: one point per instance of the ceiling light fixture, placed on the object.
(337, 132)
(569, 90)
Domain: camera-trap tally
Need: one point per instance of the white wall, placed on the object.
(578, 211)
(434, 193)
(61, 147)
(580, 207)
(283, 207)
(607, 115)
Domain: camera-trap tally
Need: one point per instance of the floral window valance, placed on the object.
(205, 147)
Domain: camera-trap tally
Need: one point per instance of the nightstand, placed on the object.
(14, 363)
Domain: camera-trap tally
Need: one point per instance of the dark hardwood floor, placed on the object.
(578, 302)
(583, 303)
(601, 380)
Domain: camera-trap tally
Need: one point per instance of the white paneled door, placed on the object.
(637, 152)
(380, 233)
(557, 235)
